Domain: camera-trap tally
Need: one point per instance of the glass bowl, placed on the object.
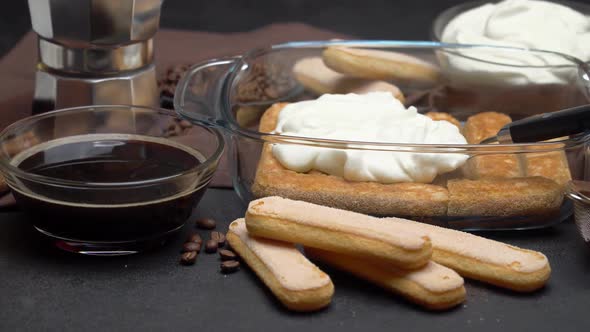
(542, 89)
(441, 21)
(108, 180)
(234, 93)
(579, 193)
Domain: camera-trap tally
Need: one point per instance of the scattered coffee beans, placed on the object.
(191, 246)
(230, 266)
(264, 82)
(211, 246)
(169, 79)
(188, 258)
(194, 243)
(219, 237)
(206, 223)
(227, 255)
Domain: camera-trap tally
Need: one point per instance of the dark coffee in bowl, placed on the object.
(134, 187)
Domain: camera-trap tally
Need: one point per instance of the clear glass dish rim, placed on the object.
(6, 167)
(441, 21)
(229, 123)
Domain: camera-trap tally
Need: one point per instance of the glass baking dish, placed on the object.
(234, 93)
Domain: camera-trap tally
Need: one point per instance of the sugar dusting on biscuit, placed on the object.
(434, 277)
(482, 249)
(292, 270)
(341, 220)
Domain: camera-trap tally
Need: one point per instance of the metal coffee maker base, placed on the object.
(54, 91)
(94, 52)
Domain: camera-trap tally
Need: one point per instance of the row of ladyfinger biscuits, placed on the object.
(354, 70)
(344, 70)
(541, 175)
(373, 64)
(451, 194)
(513, 183)
(417, 261)
(552, 165)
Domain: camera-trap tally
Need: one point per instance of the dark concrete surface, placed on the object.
(42, 288)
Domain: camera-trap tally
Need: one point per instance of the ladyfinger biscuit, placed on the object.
(442, 116)
(313, 74)
(504, 197)
(272, 179)
(295, 281)
(482, 259)
(484, 125)
(381, 65)
(433, 286)
(336, 230)
(479, 127)
(551, 165)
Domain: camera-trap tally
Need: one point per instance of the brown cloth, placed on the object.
(172, 47)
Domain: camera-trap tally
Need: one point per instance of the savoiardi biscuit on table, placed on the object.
(381, 65)
(294, 280)
(482, 259)
(336, 230)
(433, 286)
(272, 179)
(313, 74)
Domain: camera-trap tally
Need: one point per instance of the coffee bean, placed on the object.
(211, 246)
(194, 238)
(188, 258)
(230, 266)
(227, 255)
(205, 223)
(191, 246)
(219, 237)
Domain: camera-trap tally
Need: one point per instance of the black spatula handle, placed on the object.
(549, 125)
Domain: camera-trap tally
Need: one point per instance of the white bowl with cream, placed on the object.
(560, 27)
(542, 81)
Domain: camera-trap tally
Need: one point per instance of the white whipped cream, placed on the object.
(372, 117)
(521, 23)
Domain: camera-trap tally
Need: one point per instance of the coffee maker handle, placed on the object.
(198, 96)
